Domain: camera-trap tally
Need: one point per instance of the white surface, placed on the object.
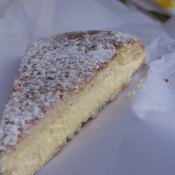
(129, 137)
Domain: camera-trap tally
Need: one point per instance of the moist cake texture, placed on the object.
(53, 93)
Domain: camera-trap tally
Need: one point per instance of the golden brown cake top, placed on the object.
(52, 68)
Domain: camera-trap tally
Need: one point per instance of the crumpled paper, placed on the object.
(132, 136)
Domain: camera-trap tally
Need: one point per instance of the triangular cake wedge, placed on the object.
(62, 81)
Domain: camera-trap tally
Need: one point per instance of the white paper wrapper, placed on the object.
(131, 136)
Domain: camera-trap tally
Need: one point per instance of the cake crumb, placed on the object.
(130, 94)
(139, 85)
(166, 80)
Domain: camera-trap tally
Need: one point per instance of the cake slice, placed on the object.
(62, 81)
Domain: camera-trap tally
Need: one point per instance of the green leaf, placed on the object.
(160, 16)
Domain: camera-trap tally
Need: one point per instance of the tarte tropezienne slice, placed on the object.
(63, 80)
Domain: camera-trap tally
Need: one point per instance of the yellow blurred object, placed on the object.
(166, 3)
